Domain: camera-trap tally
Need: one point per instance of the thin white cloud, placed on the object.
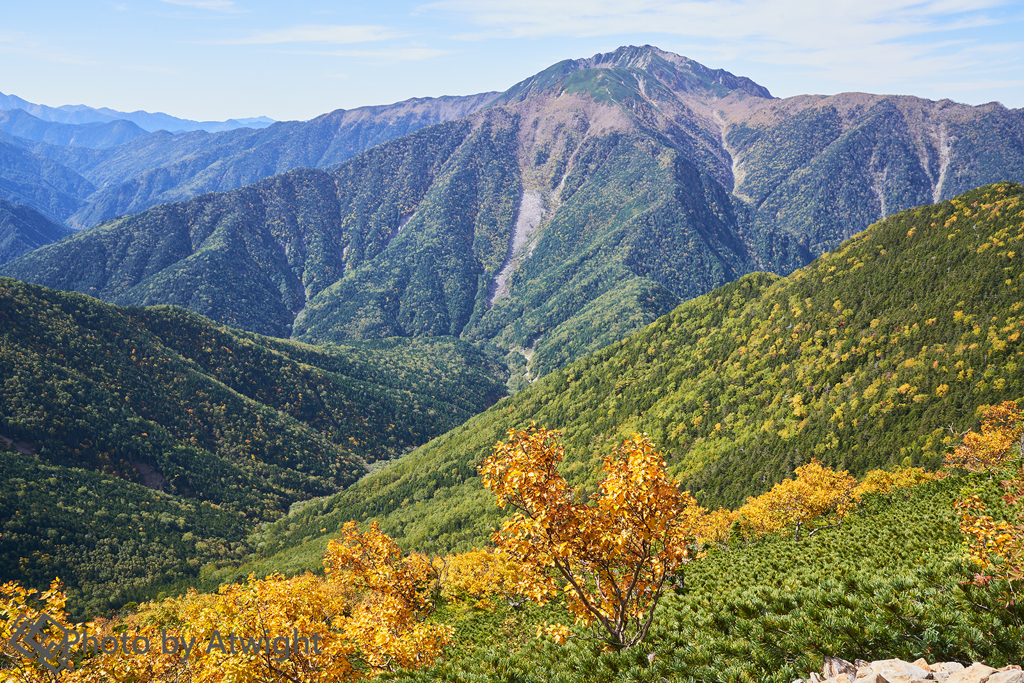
(849, 41)
(213, 5)
(337, 35)
(30, 47)
(803, 22)
(981, 84)
(152, 69)
(383, 57)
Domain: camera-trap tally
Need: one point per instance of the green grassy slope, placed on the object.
(862, 359)
(208, 415)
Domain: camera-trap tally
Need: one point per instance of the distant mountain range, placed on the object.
(148, 122)
(571, 210)
(82, 174)
(21, 124)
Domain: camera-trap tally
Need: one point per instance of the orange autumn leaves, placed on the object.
(995, 547)
(994, 448)
(818, 498)
(483, 575)
(396, 594)
(612, 557)
(16, 608)
(610, 560)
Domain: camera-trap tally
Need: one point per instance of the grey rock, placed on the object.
(949, 667)
(975, 673)
(834, 666)
(898, 671)
(1008, 676)
(871, 677)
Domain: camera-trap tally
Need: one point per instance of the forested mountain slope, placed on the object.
(821, 168)
(864, 358)
(584, 203)
(422, 236)
(223, 425)
(23, 229)
(33, 180)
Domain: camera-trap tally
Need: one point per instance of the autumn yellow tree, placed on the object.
(995, 547)
(395, 595)
(819, 498)
(999, 442)
(714, 529)
(277, 628)
(482, 574)
(884, 481)
(610, 557)
(20, 608)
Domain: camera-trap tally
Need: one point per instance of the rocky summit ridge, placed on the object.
(651, 66)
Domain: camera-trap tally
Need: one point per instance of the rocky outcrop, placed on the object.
(837, 670)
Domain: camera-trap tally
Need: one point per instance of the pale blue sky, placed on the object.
(296, 59)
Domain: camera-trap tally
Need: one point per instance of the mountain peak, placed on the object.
(674, 73)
